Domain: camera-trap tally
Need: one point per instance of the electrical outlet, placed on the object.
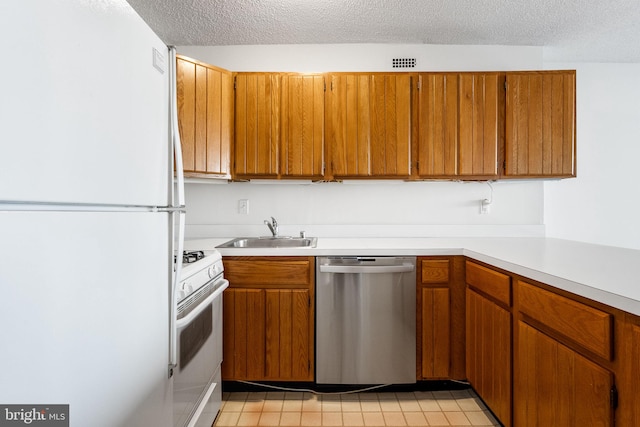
(243, 206)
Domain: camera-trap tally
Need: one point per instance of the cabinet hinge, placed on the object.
(331, 85)
(613, 397)
(505, 85)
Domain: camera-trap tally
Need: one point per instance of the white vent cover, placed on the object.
(403, 62)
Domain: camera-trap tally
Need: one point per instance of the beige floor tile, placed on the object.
(290, 419)
(269, 419)
(457, 418)
(311, 405)
(226, 419)
(436, 419)
(394, 419)
(272, 405)
(369, 397)
(238, 396)
(253, 406)
(370, 406)
(274, 395)
(390, 406)
(429, 405)
(448, 405)
(388, 396)
(423, 395)
(415, 419)
(311, 419)
(293, 395)
(292, 405)
(442, 394)
(249, 419)
(257, 395)
(352, 419)
(373, 419)
(234, 406)
(350, 397)
(331, 406)
(332, 418)
(478, 418)
(351, 406)
(468, 404)
(410, 405)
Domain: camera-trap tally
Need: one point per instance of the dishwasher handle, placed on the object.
(367, 269)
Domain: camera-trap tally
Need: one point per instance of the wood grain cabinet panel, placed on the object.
(205, 117)
(302, 116)
(635, 375)
(459, 117)
(369, 125)
(436, 333)
(257, 125)
(268, 329)
(488, 281)
(555, 386)
(540, 119)
(589, 327)
(489, 353)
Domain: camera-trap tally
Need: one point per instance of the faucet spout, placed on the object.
(273, 226)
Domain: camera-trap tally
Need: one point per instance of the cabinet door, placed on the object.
(204, 117)
(489, 353)
(370, 128)
(289, 343)
(540, 124)
(302, 126)
(244, 337)
(557, 386)
(635, 373)
(257, 124)
(436, 333)
(458, 124)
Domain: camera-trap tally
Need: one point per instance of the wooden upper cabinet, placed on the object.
(257, 125)
(204, 98)
(540, 117)
(302, 127)
(459, 116)
(369, 129)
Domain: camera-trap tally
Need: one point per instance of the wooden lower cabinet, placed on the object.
(556, 386)
(269, 324)
(440, 318)
(489, 353)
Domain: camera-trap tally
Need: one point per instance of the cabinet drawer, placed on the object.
(587, 326)
(281, 272)
(490, 282)
(434, 271)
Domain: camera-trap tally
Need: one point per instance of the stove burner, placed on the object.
(193, 256)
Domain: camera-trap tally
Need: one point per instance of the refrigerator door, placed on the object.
(84, 105)
(85, 317)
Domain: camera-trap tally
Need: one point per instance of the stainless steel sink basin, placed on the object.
(271, 242)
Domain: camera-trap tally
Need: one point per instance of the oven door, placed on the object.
(196, 384)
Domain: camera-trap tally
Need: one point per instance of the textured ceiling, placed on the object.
(582, 30)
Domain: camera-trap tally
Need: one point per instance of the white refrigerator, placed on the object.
(86, 229)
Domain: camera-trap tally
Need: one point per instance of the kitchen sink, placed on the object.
(271, 242)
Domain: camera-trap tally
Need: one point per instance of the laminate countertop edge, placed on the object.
(606, 274)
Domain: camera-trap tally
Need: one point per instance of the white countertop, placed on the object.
(606, 274)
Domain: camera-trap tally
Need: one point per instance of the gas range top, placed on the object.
(198, 269)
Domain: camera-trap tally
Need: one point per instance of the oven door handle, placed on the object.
(180, 323)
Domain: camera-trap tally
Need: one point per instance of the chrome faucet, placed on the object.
(273, 226)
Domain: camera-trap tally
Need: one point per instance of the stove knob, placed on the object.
(180, 295)
(212, 272)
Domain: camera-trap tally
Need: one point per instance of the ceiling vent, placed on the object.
(403, 62)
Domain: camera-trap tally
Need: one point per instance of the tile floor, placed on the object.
(419, 408)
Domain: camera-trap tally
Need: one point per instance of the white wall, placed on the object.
(603, 204)
(367, 209)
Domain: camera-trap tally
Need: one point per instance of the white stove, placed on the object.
(197, 382)
(198, 268)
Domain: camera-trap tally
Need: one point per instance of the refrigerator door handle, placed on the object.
(178, 243)
(178, 201)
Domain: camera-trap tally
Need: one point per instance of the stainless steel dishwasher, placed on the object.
(365, 320)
